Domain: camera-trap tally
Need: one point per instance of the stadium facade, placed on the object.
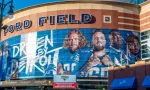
(136, 74)
(81, 38)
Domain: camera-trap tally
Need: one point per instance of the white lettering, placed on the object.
(94, 69)
(15, 51)
(22, 48)
(49, 41)
(43, 60)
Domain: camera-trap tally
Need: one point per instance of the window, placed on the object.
(107, 19)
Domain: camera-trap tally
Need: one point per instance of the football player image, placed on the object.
(117, 55)
(115, 39)
(133, 48)
(5, 61)
(99, 61)
(14, 69)
(74, 48)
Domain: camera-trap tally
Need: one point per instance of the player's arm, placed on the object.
(90, 63)
(107, 61)
(60, 69)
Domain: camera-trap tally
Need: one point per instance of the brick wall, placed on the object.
(140, 69)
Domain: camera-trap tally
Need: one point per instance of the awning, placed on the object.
(123, 83)
(146, 82)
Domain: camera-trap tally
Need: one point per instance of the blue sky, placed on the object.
(18, 4)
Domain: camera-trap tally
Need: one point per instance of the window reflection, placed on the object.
(145, 44)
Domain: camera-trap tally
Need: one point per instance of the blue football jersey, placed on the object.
(133, 58)
(95, 67)
(68, 60)
(118, 57)
(98, 71)
(84, 55)
(73, 61)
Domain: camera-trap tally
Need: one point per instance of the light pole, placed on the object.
(10, 12)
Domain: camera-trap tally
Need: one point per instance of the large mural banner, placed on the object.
(85, 52)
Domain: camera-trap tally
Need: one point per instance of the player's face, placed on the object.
(98, 41)
(74, 41)
(134, 46)
(117, 40)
